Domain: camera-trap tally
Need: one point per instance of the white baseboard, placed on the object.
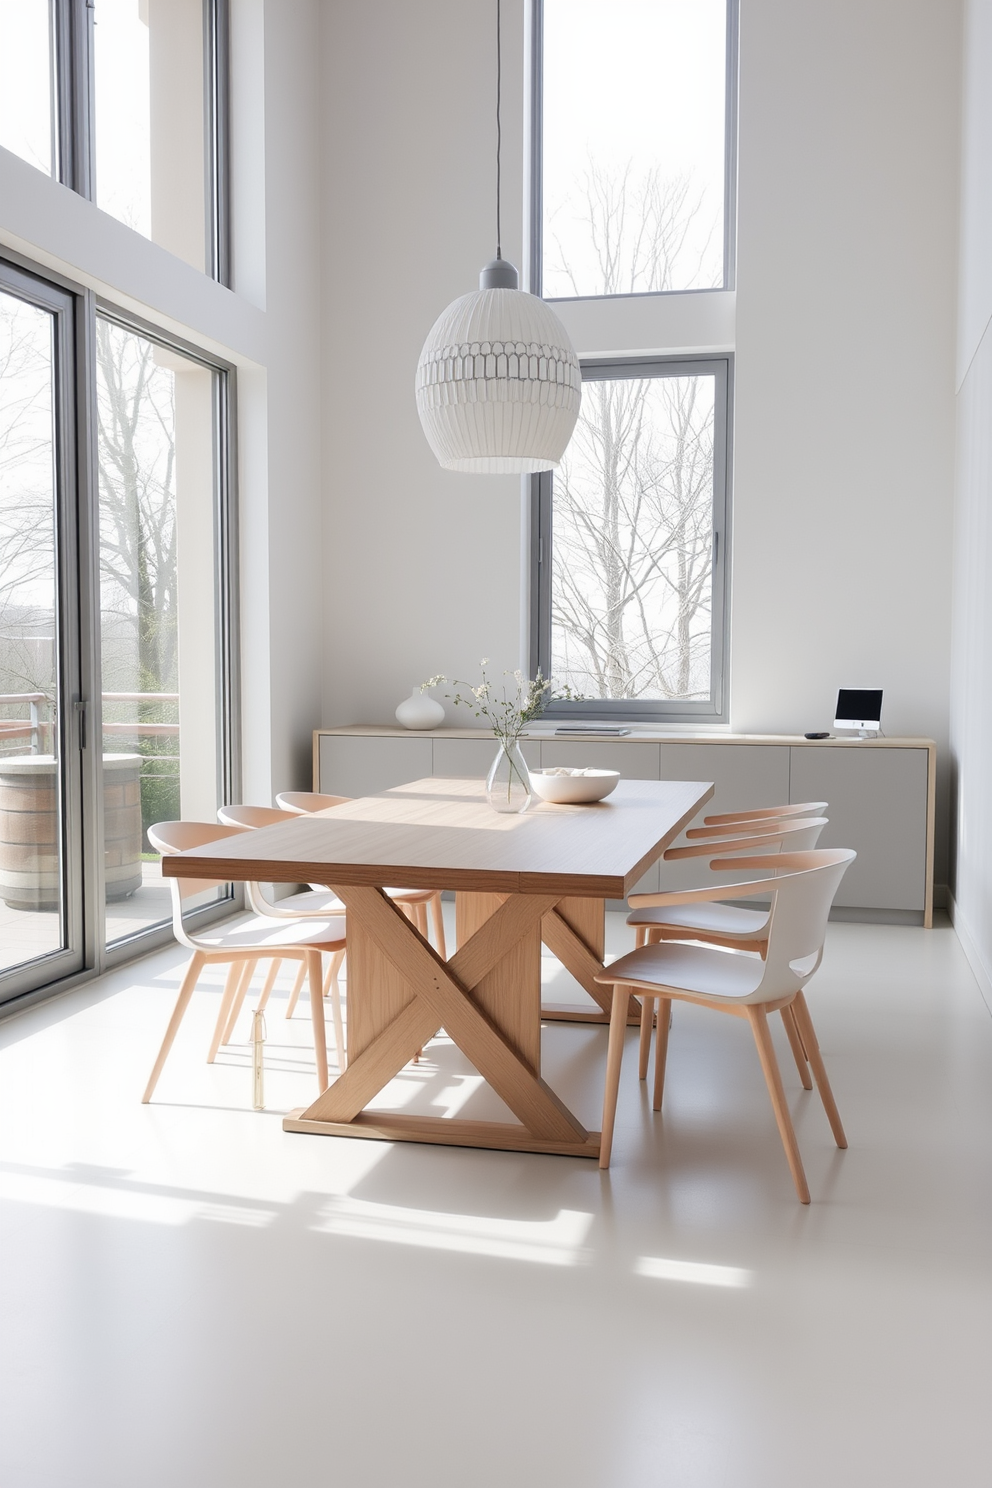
(968, 944)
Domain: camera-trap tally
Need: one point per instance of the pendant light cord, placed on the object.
(499, 132)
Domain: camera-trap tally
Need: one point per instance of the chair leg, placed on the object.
(294, 995)
(640, 935)
(437, 915)
(182, 1002)
(661, 1049)
(644, 1047)
(758, 1019)
(234, 991)
(808, 1034)
(796, 1044)
(420, 918)
(234, 974)
(333, 967)
(270, 982)
(332, 985)
(314, 979)
(614, 1059)
(237, 1004)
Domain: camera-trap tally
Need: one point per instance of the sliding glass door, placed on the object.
(117, 686)
(160, 609)
(40, 878)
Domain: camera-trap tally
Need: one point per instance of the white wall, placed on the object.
(845, 357)
(971, 687)
(845, 354)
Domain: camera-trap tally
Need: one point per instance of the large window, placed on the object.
(28, 122)
(118, 699)
(633, 139)
(125, 101)
(633, 111)
(629, 539)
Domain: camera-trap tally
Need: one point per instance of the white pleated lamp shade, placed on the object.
(498, 382)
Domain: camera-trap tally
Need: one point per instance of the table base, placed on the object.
(500, 1135)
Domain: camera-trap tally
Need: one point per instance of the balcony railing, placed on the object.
(36, 729)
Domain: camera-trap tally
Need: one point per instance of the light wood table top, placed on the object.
(443, 834)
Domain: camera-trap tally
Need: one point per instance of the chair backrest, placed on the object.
(179, 836)
(763, 813)
(304, 803)
(253, 816)
(803, 891)
(789, 836)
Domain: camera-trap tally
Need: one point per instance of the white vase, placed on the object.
(419, 711)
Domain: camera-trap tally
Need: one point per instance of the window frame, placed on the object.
(74, 101)
(535, 152)
(715, 710)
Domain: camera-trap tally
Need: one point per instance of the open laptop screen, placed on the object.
(859, 708)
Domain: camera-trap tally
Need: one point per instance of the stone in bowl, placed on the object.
(573, 787)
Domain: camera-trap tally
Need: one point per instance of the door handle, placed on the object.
(79, 708)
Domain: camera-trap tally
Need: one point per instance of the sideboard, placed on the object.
(880, 791)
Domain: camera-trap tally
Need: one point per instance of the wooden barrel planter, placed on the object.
(29, 829)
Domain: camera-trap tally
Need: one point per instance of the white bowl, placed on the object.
(573, 789)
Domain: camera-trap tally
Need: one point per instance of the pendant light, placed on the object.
(498, 382)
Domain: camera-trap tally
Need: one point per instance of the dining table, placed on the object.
(543, 875)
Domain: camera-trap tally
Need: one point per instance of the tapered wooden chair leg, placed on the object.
(758, 1019)
(182, 1002)
(437, 915)
(333, 967)
(235, 983)
(340, 1047)
(233, 980)
(819, 1068)
(614, 1059)
(294, 995)
(314, 979)
(644, 1047)
(269, 983)
(796, 1045)
(640, 937)
(238, 1003)
(661, 1049)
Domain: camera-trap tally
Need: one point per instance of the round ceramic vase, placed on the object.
(419, 711)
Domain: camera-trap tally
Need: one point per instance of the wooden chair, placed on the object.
(763, 813)
(242, 945)
(723, 924)
(315, 901)
(802, 889)
(414, 902)
(727, 925)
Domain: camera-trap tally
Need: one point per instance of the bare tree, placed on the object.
(27, 508)
(137, 453)
(633, 497)
(632, 232)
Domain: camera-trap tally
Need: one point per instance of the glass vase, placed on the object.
(508, 782)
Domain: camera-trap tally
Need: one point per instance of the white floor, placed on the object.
(192, 1298)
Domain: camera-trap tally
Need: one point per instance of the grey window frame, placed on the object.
(79, 719)
(716, 709)
(72, 31)
(535, 264)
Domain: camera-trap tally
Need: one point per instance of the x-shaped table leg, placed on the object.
(424, 994)
(574, 932)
